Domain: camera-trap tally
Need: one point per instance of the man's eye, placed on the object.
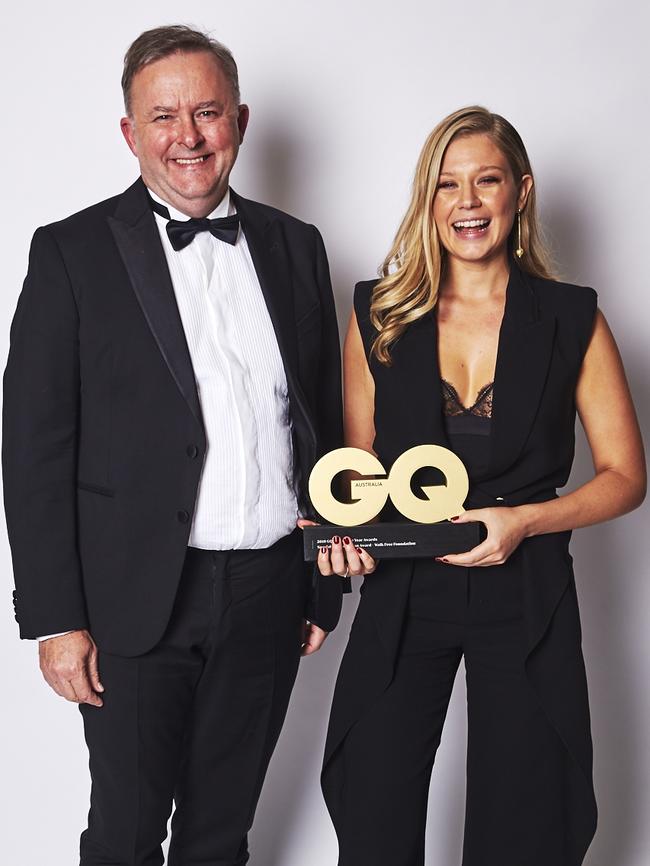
(207, 113)
(163, 117)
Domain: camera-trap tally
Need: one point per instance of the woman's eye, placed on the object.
(445, 184)
(489, 179)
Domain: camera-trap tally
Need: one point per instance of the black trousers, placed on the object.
(514, 809)
(196, 719)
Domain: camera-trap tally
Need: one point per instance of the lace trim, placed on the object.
(452, 405)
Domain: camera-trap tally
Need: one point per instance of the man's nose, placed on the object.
(189, 134)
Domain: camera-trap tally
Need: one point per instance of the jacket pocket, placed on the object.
(95, 488)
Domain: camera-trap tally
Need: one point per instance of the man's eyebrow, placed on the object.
(166, 109)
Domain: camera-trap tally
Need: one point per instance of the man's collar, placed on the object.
(222, 209)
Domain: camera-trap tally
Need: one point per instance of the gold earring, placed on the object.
(520, 250)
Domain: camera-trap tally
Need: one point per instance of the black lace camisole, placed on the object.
(468, 427)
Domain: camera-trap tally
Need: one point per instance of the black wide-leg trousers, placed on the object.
(514, 807)
(195, 720)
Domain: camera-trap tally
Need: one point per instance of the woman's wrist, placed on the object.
(529, 516)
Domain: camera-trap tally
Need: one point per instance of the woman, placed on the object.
(467, 341)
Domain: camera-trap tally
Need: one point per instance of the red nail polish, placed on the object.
(323, 550)
(336, 539)
(455, 518)
(358, 550)
(346, 540)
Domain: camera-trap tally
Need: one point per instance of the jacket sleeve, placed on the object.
(39, 447)
(326, 597)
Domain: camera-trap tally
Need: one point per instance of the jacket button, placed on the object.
(192, 451)
(183, 517)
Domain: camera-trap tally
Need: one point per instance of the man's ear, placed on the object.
(242, 120)
(126, 125)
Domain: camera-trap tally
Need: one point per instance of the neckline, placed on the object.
(480, 396)
(485, 389)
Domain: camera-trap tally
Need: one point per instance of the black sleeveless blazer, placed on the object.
(543, 337)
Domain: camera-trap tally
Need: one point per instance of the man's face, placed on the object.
(185, 128)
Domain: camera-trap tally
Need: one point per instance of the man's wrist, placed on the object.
(48, 636)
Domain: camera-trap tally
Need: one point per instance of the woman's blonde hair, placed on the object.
(410, 274)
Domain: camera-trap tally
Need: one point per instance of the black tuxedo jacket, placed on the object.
(103, 436)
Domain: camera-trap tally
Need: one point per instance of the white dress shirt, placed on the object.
(246, 496)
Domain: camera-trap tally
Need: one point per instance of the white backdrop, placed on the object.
(342, 96)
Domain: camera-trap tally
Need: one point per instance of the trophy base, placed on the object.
(398, 540)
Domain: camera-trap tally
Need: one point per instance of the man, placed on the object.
(170, 384)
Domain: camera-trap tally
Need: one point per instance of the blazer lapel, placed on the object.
(415, 381)
(138, 241)
(523, 358)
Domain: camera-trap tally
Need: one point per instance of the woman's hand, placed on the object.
(343, 558)
(506, 529)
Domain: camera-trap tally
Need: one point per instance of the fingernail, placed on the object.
(336, 540)
(323, 550)
(455, 518)
(358, 549)
(346, 540)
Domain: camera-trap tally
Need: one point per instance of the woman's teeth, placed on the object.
(471, 228)
(471, 224)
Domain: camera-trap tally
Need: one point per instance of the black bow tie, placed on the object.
(182, 232)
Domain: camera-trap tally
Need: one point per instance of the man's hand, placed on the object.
(69, 665)
(312, 635)
(312, 638)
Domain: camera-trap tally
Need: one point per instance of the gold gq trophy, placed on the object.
(427, 530)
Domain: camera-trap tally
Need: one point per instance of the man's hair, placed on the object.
(162, 42)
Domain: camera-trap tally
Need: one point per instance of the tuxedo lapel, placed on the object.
(268, 249)
(523, 357)
(269, 254)
(138, 241)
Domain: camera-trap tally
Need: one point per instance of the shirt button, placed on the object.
(192, 451)
(183, 516)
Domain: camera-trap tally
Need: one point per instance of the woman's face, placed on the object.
(477, 199)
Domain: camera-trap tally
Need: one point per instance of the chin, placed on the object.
(472, 255)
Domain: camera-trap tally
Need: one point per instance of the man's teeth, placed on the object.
(470, 224)
(190, 161)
